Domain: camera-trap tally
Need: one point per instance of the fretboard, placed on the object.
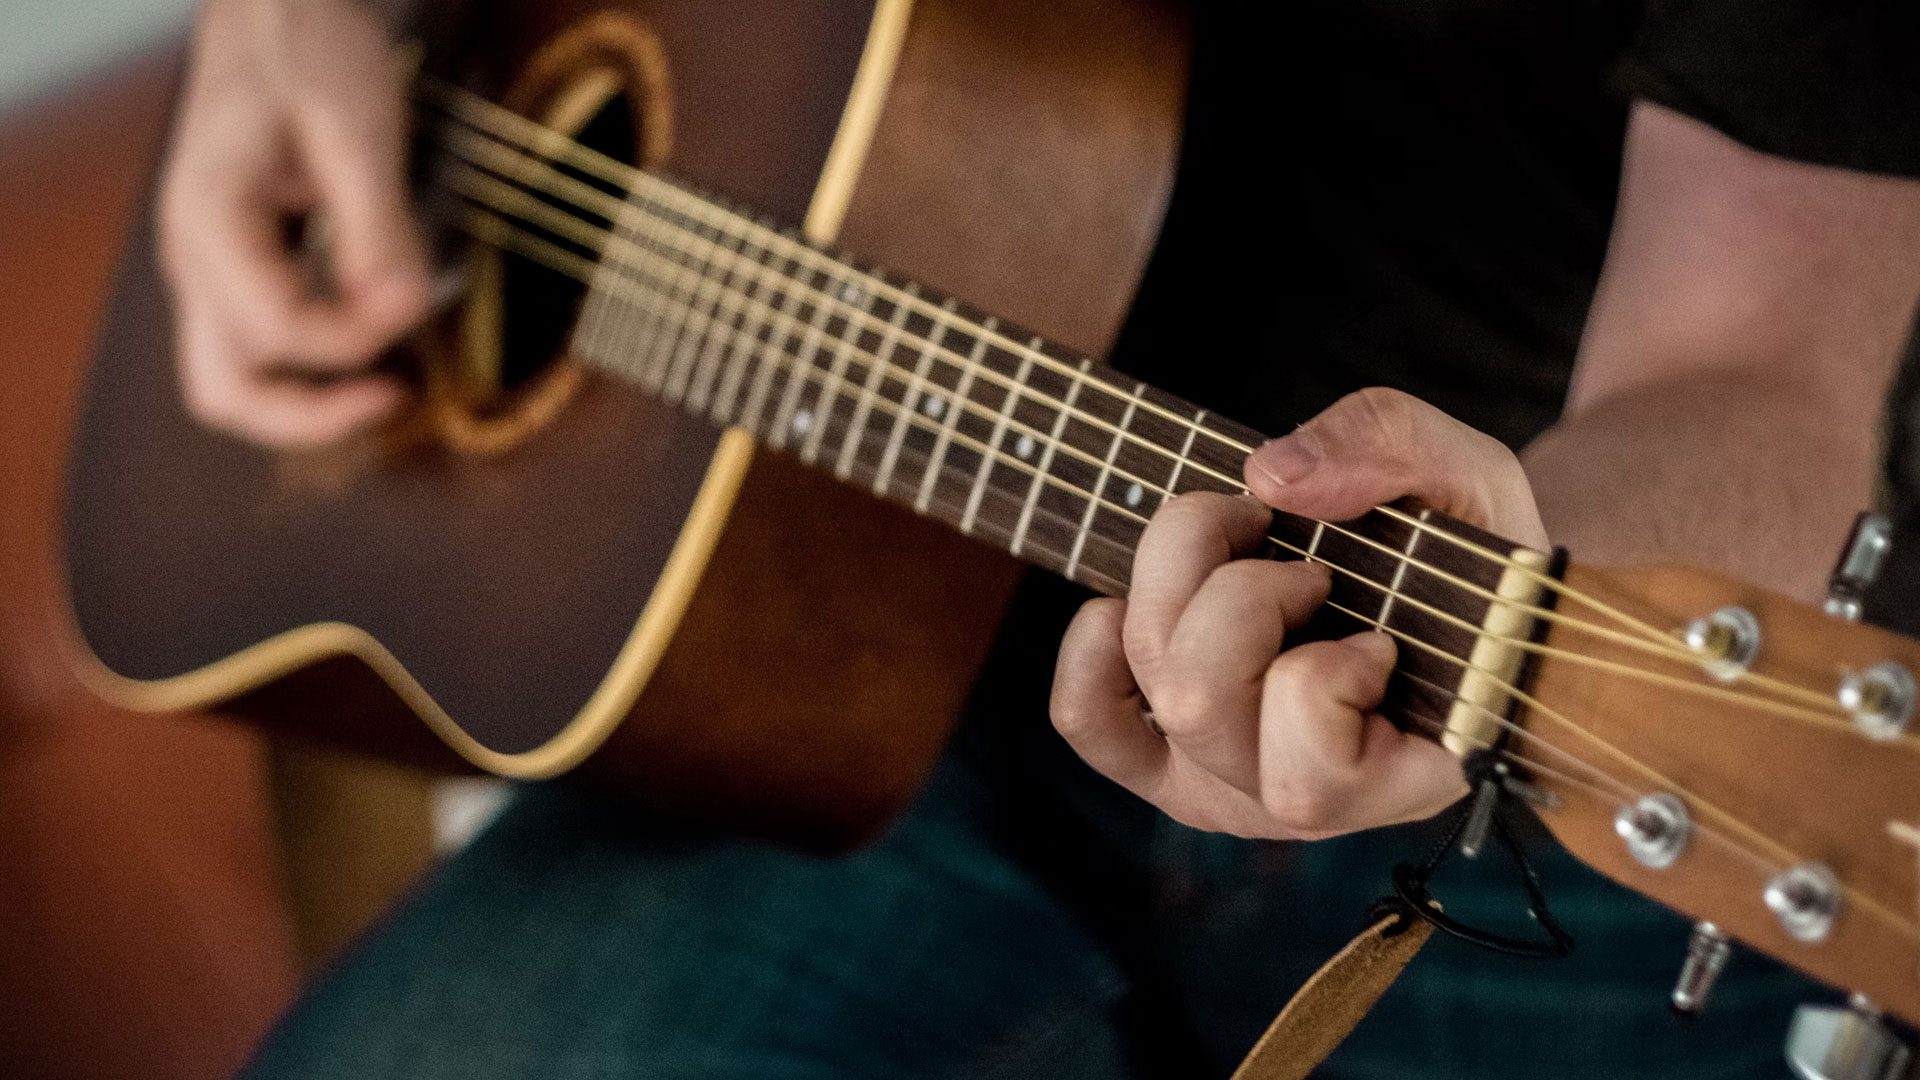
(937, 406)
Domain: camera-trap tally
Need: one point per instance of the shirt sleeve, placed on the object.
(1833, 82)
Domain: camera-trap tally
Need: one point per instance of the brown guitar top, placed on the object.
(833, 638)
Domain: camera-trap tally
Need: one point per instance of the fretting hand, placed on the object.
(1258, 741)
(292, 107)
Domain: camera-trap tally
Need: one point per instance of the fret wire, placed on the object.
(809, 350)
(1029, 355)
(542, 215)
(1180, 462)
(651, 297)
(1313, 545)
(731, 305)
(1046, 460)
(1055, 442)
(537, 136)
(1100, 481)
(1218, 437)
(799, 253)
(733, 371)
(836, 378)
(659, 356)
(954, 408)
(657, 183)
(1113, 586)
(987, 460)
(623, 329)
(899, 486)
(596, 316)
(1039, 475)
(907, 403)
(897, 489)
(712, 300)
(496, 231)
(751, 413)
(1400, 572)
(635, 339)
(870, 389)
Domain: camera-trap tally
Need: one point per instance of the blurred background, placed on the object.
(45, 42)
(166, 882)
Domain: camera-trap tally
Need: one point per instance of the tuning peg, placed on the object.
(1861, 558)
(1707, 953)
(1828, 1042)
(1880, 699)
(1726, 642)
(1493, 781)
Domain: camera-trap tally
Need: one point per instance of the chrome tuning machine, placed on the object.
(1707, 954)
(1850, 1042)
(1861, 560)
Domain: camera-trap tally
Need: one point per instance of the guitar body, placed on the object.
(607, 580)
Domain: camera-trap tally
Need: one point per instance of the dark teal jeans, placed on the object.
(1026, 919)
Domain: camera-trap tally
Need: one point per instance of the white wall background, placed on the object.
(45, 42)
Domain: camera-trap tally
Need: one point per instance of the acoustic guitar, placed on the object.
(573, 555)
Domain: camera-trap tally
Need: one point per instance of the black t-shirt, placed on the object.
(1418, 193)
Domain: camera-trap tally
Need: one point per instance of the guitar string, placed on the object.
(1599, 793)
(493, 192)
(1683, 656)
(1655, 639)
(476, 111)
(581, 266)
(555, 221)
(1697, 831)
(1783, 855)
(515, 238)
(1621, 789)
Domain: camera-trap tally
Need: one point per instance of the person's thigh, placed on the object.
(571, 942)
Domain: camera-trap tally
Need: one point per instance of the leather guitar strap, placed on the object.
(1326, 1009)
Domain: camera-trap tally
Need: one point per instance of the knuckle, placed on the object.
(1384, 412)
(1303, 807)
(1291, 673)
(214, 408)
(1069, 713)
(1143, 653)
(1186, 706)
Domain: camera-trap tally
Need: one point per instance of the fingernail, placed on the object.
(1380, 645)
(1288, 459)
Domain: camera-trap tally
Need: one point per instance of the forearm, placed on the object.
(1754, 474)
(1725, 408)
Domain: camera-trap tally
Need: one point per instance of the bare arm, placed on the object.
(1725, 406)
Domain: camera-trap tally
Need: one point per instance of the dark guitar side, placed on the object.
(1022, 160)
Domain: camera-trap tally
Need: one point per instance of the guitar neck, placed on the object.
(894, 387)
(929, 403)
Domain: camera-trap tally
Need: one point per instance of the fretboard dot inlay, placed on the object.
(1024, 447)
(933, 406)
(1135, 493)
(802, 422)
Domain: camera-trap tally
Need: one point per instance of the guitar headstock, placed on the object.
(1802, 815)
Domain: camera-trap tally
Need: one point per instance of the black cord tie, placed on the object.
(1410, 879)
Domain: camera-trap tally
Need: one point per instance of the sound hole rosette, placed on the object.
(609, 66)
